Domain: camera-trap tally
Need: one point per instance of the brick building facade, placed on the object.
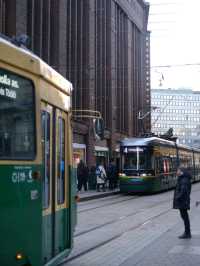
(102, 47)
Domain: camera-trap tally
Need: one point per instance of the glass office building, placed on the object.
(178, 109)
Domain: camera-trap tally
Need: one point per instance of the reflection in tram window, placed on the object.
(17, 138)
(46, 158)
(61, 161)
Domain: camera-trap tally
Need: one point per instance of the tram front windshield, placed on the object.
(136, 159)
(17, 119)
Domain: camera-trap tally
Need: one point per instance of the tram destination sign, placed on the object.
(133, 149)
(8, 85)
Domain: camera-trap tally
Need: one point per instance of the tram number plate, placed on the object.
(34, 194)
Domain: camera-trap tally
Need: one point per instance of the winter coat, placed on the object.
(112, 172)
(100, 174)
(182, 192)
(82, 172)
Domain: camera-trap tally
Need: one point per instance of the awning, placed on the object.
(79, 146)
(101, 151)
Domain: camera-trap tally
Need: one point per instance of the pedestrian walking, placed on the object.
(82, 175)
(112, 174)
(182, 198)
(100, 176)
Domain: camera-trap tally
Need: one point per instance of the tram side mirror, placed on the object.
(98, 125)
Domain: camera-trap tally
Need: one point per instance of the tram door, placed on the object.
(55, 228)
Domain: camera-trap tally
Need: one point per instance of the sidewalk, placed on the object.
(154, 242)
(93, 194)
(168, 250)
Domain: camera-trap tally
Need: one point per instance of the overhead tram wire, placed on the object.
(178, 65)
(162, 13)
(162, 110)
(161, 21)
(76, 69)
(164, 4)
(156, 12)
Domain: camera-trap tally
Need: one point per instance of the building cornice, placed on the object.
(137, 11)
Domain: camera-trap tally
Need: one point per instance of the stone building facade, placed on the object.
(102, 47)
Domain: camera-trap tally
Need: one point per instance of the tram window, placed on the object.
(130, 161)
(142, 160)
(17, 123)
(138, 159)
(174, 164)
(46, 158)
(156, 165)
(159, 163)
(61, 161)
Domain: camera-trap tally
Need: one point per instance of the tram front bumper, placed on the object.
(137, 185)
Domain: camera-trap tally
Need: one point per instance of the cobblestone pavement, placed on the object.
(127, 230)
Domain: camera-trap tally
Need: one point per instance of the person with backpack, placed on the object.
(100, 177)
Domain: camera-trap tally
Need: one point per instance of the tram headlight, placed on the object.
(121, 174)
(23, 259)
(145, 174)
(19, 256)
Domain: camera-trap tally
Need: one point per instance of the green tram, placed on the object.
(37, 184)
(150, 164)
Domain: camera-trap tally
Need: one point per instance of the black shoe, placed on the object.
(185, 236)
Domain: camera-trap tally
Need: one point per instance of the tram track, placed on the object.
(120, 234)
(114, 237)
(113, 203)
(108, 198)
(107, 204)
(120, 218)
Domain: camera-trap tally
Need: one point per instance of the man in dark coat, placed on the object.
(112, 174)
(82, 175)
(182, 198)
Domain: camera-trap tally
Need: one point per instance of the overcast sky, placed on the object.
(175, 42)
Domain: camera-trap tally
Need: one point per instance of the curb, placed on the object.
(98, 196)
